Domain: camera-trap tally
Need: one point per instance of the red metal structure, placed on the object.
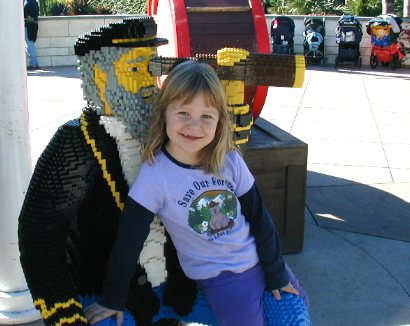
(205, 26)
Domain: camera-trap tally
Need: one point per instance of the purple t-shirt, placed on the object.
(201, 212)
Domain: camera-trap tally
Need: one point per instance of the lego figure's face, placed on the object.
(132, 72)
(125, 88)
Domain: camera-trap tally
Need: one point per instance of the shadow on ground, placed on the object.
(380, 210)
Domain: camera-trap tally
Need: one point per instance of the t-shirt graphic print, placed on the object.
(213, 212)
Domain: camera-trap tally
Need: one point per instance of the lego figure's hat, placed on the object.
(131, 32)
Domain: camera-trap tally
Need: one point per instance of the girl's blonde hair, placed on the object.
(185, 81)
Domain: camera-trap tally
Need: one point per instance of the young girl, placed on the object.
(195, 180)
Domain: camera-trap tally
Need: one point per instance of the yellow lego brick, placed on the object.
(239, 110)
(300, 64)
(228, 56)
(235, 91)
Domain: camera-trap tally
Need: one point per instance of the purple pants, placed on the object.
(236, 299)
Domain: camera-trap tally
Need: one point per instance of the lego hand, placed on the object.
(287, 288)
(228, 56)
(96, 313)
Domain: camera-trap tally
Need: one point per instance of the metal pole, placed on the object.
(388, 6)
(15, 163)
(406, 8)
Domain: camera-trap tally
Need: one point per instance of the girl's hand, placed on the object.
(287, 288)
(96, 313)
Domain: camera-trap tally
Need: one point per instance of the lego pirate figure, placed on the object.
(70, 214)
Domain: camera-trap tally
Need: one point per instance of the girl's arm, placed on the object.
(266, 238)
(133, 230)
(95, 313)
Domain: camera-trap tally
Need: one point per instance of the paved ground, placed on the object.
(356, 124)
(355, 264)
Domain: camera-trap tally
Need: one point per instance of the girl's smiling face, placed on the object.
(190, 127)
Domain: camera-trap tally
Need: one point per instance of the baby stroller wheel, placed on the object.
(337, 62)
(360, 62)
(373, 61)
(395, 62)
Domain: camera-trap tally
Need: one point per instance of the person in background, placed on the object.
(31, 27)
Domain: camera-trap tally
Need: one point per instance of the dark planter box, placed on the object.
(278, 162)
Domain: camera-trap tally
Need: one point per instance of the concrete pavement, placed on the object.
(355, 264)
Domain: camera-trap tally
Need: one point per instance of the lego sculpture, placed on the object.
(68, 220)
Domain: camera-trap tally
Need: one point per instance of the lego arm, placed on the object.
(52, 199)
(254, 69)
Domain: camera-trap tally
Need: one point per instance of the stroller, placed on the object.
(348, 36)
(282, 31)
(384, 31)
(314, 40)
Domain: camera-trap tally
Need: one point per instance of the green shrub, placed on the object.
(367, 8)
(124, 6)
(305, 7)
(44, 6)
(398, 8)
(80, 7)
(104, 10)
(57, 9)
